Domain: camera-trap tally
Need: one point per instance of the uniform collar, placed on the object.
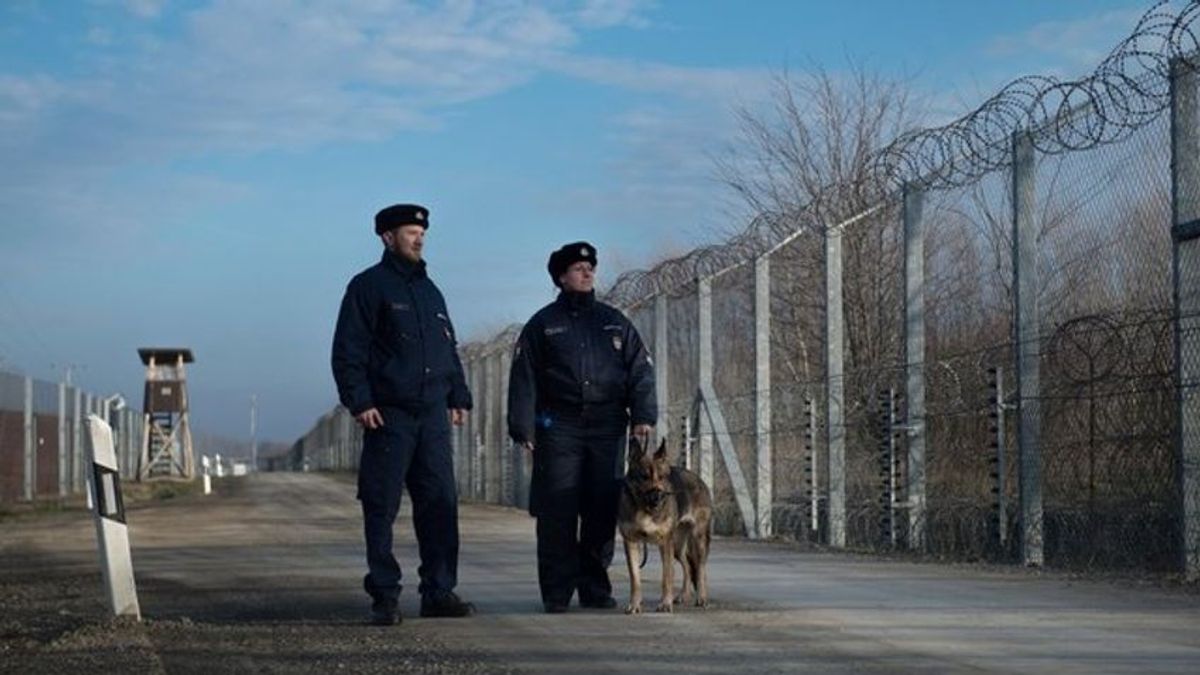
(404, 266)
(575, 300)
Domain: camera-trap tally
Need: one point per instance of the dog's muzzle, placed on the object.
(653, 498)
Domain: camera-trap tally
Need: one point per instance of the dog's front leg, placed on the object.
(666, 549)
(633, 556)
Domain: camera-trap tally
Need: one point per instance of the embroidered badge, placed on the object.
(617, 342)
(584, 252)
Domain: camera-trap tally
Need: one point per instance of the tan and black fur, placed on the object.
(669, 507)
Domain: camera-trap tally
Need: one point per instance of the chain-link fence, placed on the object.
(42, 429)
(989, 350)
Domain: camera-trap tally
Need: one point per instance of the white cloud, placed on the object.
(251, 74)
(244, 76)
(145, 9)
(658, 183)
(713, 84)
(1068, 45)
(99, 36)
(608, 13)
(247, 75)
(1064, 49)
(24, 97)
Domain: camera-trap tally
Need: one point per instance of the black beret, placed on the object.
(568, 255)
(401, 214)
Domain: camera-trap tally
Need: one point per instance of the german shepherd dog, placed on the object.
(671, 507)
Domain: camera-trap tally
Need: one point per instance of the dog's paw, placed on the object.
(665, 607)
(680, 600)
(633, 608)
(702, 603)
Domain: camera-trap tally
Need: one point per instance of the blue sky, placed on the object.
(204, 173)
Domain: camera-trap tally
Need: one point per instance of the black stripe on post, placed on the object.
(1186, 231)
(108, 493)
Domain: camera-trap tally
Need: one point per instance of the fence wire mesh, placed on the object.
(42, 432)
(1115, 341)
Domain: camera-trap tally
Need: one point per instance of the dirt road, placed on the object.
(264, 576)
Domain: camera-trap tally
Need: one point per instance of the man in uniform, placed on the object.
(398, 373)
(580, 375)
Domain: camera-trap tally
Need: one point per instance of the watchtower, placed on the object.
(166, 433)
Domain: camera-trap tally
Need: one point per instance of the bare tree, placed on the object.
(808, 159)
(812, 149)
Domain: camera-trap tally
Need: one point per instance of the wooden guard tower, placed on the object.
(166, 433)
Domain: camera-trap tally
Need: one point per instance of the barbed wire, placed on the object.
(1126, 91)
(1129, 89)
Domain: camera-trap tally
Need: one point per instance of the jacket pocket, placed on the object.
(399, 380)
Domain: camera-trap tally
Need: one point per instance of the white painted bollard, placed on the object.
(204, 463)
(112, 534)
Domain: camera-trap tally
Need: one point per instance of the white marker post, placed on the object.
(112, 534)
(204, 464)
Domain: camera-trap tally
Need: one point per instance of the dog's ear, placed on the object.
(661, 453)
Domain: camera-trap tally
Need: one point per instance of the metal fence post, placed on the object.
(503, 443)
(30, 443)
(492, 384)
(64, 465)
(914, 360)
(662, 391)
(343, 439)
(133, 441)
(1026, 333)
(1185, 206)
(477, 446)
(835, 387)
(814, 473)
(460, 433)
(467, 446)
(704, 292)
(77, 417)
(129, 423)
(762, 399)
(485, 431)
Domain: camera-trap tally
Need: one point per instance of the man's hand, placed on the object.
(458, 416)
(527, 446)
(370, 418)
(643, 431)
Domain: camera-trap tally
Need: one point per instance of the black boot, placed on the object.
(441, 604)
(385, 612)
(598, 602)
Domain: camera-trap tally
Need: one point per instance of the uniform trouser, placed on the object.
(412, 449)
(580, 475)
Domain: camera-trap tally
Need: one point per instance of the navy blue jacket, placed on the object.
(579, 361)
(394, 345)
